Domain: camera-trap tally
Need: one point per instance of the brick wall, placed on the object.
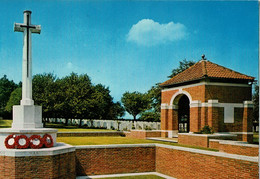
(56, 166)
(174, 161)
(240, 149)
(185, 164)
(228, 94)
(137, 134)
(112, 160)
(198, 140)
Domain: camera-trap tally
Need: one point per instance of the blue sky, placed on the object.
(130, 45)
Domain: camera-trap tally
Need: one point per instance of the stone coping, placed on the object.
(125, 175)
(205, 152)
(209, 135)
(113, 146)
(28, 130)
(93, 132)
(238, 143)
(211, 153)
(145, 130)
(60, 148)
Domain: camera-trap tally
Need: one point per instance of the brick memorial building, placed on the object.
(207, 94)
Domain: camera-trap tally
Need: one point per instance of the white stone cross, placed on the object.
(27, 28)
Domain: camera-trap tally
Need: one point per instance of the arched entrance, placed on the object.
(184, 114)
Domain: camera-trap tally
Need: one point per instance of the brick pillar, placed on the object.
(213, 112)
(164, 120)
(248, 122)
(204, 117)
(195, 109)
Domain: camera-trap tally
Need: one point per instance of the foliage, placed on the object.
(150, 116)
(135, 103)
(73, 96)
(44, 91)
(206, 130)
(14, 99)
(256, 103)
(183, 65)
(6, 88)
(155, 97)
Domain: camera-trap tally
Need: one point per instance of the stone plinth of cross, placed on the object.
(27, 28)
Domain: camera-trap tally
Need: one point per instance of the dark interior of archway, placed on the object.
(184, 114)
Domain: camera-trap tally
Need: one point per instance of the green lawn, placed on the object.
(5, 123)
(60, 127)
(137, 177)
(256, 138)
(116, 140)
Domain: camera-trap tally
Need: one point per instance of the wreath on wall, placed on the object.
(36, 141)
(48, 141)
(10, 141)
(23, 142)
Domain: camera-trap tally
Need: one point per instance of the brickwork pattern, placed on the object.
(57, 166)
(201, 141)
(143, 134)
(234, 149)
(183, 164)
(98, 161)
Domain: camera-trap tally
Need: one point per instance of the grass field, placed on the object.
(5, 123)
(137, 177)
(116, 140)
(60, 127)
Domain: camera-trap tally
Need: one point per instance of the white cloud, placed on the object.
(69, 65)
(148, 33)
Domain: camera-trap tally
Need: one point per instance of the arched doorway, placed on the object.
(184, 114)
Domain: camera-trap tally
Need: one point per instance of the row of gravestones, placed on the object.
(112, 124)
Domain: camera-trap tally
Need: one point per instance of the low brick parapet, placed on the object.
(202, 140)
(143, 134)
(234, 147)
(175, 161)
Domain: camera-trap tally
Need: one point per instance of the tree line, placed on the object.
(75, 96)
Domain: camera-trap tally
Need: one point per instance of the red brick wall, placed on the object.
(143, 134)
(195, 116)
(197, 92)
(209, 116)
(95, 161)
(57, 166)
(228, 94)
(167, 96)
(234, 149)
(198, 140)
(184, 164)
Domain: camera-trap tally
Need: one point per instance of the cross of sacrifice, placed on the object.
(27, 28)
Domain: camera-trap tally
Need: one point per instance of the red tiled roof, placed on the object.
(205, 68)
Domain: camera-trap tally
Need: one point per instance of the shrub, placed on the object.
(206, 130)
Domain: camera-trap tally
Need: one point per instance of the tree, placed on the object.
(116, 111)
(14, 99)
(150, 116)
(182, 66)
(135, 103)
(6, 88)
(73, 97)
(44, 93)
